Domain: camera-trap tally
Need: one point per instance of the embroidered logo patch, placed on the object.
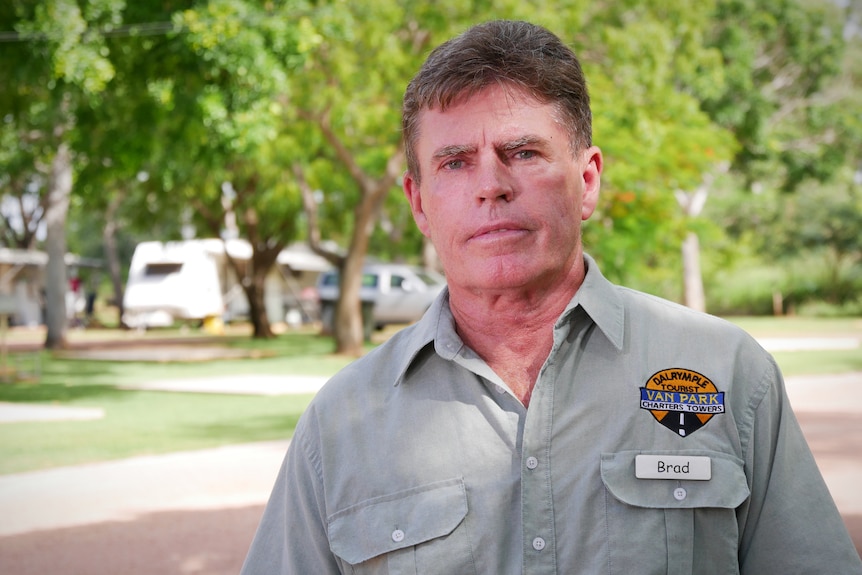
(681, 399)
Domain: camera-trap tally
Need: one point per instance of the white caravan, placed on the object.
(22, 285)
(193, 280)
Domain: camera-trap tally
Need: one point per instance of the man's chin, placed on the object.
(503, 278)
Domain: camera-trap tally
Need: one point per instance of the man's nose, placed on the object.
(494, 182)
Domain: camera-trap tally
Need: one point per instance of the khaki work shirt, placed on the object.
(417, 459)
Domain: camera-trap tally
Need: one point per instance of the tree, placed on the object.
(121, 143)
(239, 56)
(642, 60)
(24, 200)
(199, 82)
(350, 97)
(56, 65)
(792, 92)
(652, 131)
(732, 85)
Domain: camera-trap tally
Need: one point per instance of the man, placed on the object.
(539, 419)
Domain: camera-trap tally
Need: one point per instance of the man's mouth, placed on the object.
(492, 231)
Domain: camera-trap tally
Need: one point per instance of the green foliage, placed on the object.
(642, 62)
(744, 289)
(164, 102)
(778, 58)
(61, 36)
(807, 244)
(805, 285)
(56, 67)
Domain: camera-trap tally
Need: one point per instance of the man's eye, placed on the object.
(453, 164)
(525, 154)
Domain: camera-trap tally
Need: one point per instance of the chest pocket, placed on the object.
(410, 532)
(673, 526)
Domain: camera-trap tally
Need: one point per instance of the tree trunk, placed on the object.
(348, 325)
(255, 290)
(349, 338)
(252, 278)
(692, 278)
(692, 204)
(777, 303)
(56, 282)
(109, 237)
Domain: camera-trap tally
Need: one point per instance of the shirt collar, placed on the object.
(601, 300)
(597, 296)
(426, 331)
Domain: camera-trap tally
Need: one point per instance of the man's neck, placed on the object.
(513, 330)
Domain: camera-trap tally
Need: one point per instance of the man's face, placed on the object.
(502, 196)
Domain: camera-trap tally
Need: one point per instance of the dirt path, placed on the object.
(212, 542)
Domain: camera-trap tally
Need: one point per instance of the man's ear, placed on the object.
(592, 164)
(411, 190)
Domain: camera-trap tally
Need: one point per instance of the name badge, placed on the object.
(698, 468)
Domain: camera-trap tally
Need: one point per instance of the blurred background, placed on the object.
(195, 191)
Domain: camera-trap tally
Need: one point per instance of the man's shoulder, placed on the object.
(619, 309)
(673, 335)
(350, 408)
(374, 374)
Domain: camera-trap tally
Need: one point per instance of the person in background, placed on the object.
(539, 419)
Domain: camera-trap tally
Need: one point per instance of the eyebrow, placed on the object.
(453, 150)
(528, 140)
(458, 149)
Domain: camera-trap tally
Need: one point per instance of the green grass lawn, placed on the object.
(144, 422)
(139, 423)
(809, 362)
(800, 326)
(819, 362)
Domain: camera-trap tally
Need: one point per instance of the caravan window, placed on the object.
(161, 269)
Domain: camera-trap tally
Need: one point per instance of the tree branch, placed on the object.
(212, 221)
(309, 206)
(366, 185)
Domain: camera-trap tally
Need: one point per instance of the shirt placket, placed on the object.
(537, 505)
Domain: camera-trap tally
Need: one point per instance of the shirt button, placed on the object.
(532, 462)
(538, 543)
(398, 536)
(679, 493)
(499, 389)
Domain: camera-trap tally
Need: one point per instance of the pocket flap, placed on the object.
(402, 519)
(727, 488)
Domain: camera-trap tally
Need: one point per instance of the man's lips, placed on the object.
(498, 230)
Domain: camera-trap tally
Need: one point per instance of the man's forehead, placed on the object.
(502, 122)
(512, 93)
